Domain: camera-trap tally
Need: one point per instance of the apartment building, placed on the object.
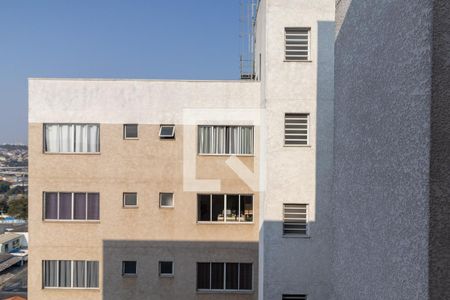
(164, 189)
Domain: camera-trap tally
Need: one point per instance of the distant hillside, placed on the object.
(9, 147)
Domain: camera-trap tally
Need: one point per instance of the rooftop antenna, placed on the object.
(247, 38)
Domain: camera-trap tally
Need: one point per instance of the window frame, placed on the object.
(72, 219)
(167, 137)
(44, 151)
(125, 137)
(295, 235)
(166, 206)
(124, 205)
(225, 154)
(225, 290)
(170, 275)
(308, 130)
(72, 275)
(225, 208)
(309, 29)
(129, 274)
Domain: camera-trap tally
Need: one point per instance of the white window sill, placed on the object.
(300, 61)
(224, 154)
(130, 206)
(298, 236)
(166, 275)
(72, 221)
(71, 288)
(224, 223)
(72, 153)
(297, 146)
(129, 275)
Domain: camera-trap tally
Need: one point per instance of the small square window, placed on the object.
(166, 268)
(129, 268)
(129, 199)
(166, 200)
(130, 131)
(167, 131)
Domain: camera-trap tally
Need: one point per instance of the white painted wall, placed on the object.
(135, 101)
(296, 174)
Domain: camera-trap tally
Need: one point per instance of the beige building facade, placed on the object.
(160, 189)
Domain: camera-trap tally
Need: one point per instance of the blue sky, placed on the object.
(169, 39)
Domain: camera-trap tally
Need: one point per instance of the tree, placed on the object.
(18, 208)
(3, 203)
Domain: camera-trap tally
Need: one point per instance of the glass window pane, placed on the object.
(217, 208)
(79, 273)
(51, 138)
(246, 208)
(93, 206)
(130, 131)
(245, 276)
(232, 211)
(66, 138)
(51, 206)
(166, 199)
(232, 273)
(204, 208)
(130, 199)
(92, 274)
(217, 274)
(128, 267)
(203, 276)
(49, 273)
(166, 268)
(65, 206)
(65, 273)
(79, 206)
(167, 131)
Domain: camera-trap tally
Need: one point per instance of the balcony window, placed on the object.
(79, 206)
(225, 208)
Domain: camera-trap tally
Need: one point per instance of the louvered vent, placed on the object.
(296, 129)
(297, 42)
(295, 220)
(294, 297)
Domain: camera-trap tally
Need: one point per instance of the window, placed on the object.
(167, 131)
(129, 268)
(224, 276)
(166, 200)
(295, 219)
(166, 269)
(296, 127)
(297, 44)
(225, 208)
(225, 139)
(294, 297)
(130, 131)
(129, 199)
(71, 138)
(78, 206)
(70, 274)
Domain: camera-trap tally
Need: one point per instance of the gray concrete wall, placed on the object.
(439, 241)
(185, 255)
(382, 141)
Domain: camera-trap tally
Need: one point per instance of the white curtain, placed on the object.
(52, 138)
(246, 140)
(205, 139)
(66, 138)
(93, 139)
(72, 138)
(81, 138)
